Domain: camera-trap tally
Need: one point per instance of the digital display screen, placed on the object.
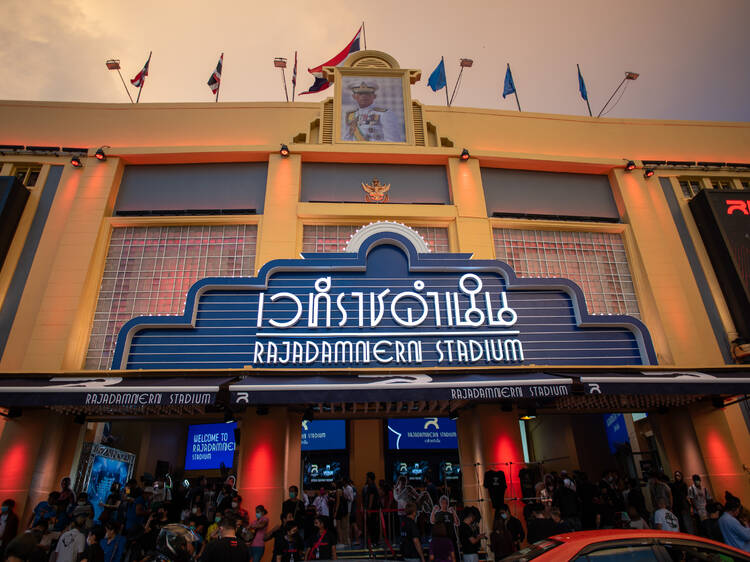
(323, 435)
(316, 474)
(450, 471)
(210, 445)
(617, 431)
(422, 433)
(414, 470)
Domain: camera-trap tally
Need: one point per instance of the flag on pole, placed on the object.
(437, 78)
(215, 80)
(509, 86)
(321, 83)
(582, 86)
(140, 78)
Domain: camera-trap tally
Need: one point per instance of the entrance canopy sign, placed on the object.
(383, 306)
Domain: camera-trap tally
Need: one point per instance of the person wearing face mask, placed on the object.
(212, 533)
(323, 542)
(238, 511)
(93, 552)
(513, 525)
(290, 548)
(294, 505)
(113, 544)
(260, 525)
(680, 504)
(201, 521)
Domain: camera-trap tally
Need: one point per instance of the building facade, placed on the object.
(193, 200)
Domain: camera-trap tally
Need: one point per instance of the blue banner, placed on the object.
(422, 433)
(385, 306)
(617, 431)
(210, 445)
(323, 435)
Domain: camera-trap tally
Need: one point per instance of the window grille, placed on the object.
(318, 238)
(27, 175)
(596, 261)
(148, 271)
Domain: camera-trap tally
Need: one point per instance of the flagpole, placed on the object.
(515, 90)
(364, 34)
(613, 95)
(587, 94)
(221, 58)
(124, 85)
(294, 75)
(447, 102)
(283, 79)
(456, 86)
(143, 78)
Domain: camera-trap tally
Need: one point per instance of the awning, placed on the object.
(110, 390)
(276, 389)
(123, 391)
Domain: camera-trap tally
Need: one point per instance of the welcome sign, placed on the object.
(384, 306)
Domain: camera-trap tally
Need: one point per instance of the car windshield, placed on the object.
(531, 552)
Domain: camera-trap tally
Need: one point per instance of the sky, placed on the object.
(692, 55)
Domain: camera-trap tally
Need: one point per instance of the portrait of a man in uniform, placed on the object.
(373, 110)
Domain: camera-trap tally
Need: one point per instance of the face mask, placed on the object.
(4, 509)
(504, 515)
(258, 514)
(217, 519)
(195, 510)
(292, 495)
(234, 505)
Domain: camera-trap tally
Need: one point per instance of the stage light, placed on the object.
(100, 154)
(284, 151)
(279, 62)
(647, 173)
(631, 75)
(76, 162)
(630, 166)
(465, 154)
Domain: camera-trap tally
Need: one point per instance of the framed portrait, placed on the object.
(372, 109)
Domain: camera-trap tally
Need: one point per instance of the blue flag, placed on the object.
(437, 78)
(509, 87)
(582, 86)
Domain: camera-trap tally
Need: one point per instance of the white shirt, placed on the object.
(667, 520)
(372, 123)
(349, 495)
(321, 505)
(70, 545)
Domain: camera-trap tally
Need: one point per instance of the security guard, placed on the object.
(369, 122)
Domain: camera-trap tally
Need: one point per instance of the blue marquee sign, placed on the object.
(383, 306)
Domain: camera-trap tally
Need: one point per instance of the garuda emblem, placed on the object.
(376, 192)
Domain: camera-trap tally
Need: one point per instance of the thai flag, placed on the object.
(140, 78)
(215, 81)
(320, 82)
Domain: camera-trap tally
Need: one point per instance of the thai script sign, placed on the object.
(385, 306)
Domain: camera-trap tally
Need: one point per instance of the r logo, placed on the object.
(594, 388)
(242, 397)
(431, 422)
(737, 205)
(304, 424)
(314, 470)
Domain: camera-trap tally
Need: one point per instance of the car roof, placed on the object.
(584, 538)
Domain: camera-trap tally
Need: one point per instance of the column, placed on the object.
(366, 450)
(277, 232)
(472, 225)
(267, 448)
(493, 438)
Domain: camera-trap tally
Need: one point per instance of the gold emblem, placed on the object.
(376, 192)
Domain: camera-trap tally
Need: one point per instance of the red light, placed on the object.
(648, 172)
(630, 166)
(99, 156)
(464, 154)
(76, 162)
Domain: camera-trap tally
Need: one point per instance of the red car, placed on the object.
(625, 545)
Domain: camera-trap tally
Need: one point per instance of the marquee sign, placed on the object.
(383, 306)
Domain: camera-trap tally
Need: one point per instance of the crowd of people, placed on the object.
(206, 521)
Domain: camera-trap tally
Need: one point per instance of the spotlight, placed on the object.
(648, 172)
(630, 166)
(76, 162)
(453, 415)
(308, 415)
(465, 154)
(100, 155)
(284, 151)
(466, 63)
